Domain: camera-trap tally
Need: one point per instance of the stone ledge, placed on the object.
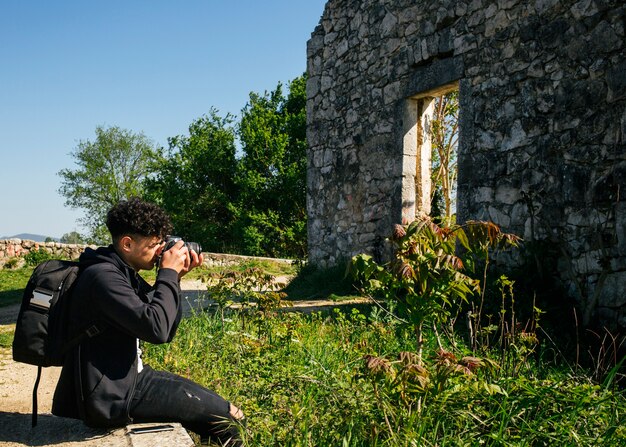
(16, 431)
(176, 437)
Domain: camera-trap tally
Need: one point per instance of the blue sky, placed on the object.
(153, 66)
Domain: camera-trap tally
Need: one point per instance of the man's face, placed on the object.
(142, 252)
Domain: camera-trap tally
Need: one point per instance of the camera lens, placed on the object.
(171, 241)
(194, 246)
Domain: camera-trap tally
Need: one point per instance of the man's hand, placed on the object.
(179, 258)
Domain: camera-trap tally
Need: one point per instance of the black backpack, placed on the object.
(41, 336)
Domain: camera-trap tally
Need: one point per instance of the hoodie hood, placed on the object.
(105, 254)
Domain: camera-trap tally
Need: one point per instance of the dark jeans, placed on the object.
(164, 397)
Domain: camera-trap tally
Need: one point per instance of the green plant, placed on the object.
(6, 337)
(249, 287)
(482, 239)
(12, 263)
(314, 388)
(426, 277)
(36, 257)
(269, 266)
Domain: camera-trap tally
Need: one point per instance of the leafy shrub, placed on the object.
(250, 287)
(35, 257)
(426, 277)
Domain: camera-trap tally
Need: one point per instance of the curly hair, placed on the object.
(135, 216)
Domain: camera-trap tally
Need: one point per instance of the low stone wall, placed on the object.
(18, 248)
(223, 259)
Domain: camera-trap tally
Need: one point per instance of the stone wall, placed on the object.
(18, 248)
(542, 150)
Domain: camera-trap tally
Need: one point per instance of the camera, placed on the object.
(171, 240)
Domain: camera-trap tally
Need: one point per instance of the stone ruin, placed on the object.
(542, 139)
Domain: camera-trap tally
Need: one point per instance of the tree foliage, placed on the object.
(109, 169)
(272, 173)
(247, 201)
(73, 237)
(251, 202)
(195, 183)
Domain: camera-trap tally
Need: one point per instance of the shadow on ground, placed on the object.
(15, 428)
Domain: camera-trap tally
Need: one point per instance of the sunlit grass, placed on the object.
(12, 284)
(302, 381)
(6, 335)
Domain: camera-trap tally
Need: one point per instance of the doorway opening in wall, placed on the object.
(444, 168)
(434, 143)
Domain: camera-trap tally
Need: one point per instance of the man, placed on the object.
(103, 381)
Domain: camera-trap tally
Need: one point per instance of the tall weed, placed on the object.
(429, 278)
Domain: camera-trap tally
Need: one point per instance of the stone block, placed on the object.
(507, 194)
(484, 194)
(613, 292)
(616, 82)
(64, 432)
(620, 227)
(497, 216)
(515, 138)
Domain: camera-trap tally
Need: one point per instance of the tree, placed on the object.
(444, 143)
(253, 203)
(195, 182)
(73, 237)
(110, 169)
(272, 173)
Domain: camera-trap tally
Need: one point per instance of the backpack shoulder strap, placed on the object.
(34, 415)
(90, 332)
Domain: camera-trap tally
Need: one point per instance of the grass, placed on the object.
(6, 336)
(341, 379)
(307, 283)
(12, 283)
(303, 381)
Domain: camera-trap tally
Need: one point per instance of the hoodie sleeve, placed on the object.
(119, 305)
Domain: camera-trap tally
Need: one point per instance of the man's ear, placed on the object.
(125, 243)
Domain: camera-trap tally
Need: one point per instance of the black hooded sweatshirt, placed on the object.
(98, 378)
